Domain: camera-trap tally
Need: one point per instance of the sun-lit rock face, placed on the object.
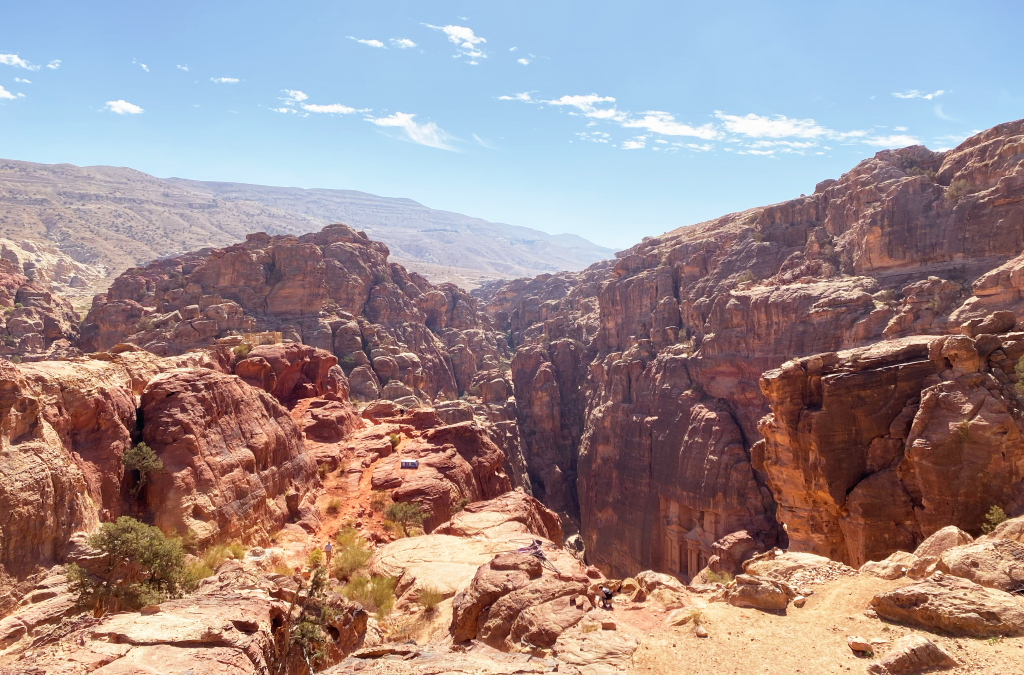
(333, 289)
(638, 380)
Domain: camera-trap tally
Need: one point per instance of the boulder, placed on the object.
(994, 563)
(954, 605)
(912, 654)
(758, 592)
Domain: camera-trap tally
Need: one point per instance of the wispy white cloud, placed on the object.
(225, 80)
(333, 108)
(466, 40)
(6, 95)
(778, 126)
(22, 80)
(482, 143)
(17, 61)
(587, 104)
(942, 115)
(372, 43)
(525, 62)
(402, 43)
(665, 124)
(914, 93)
(293, 96)
(634, 144)
(894, 141)
(428, 134)
(523, 96)
(54, 65)
(594, 136)
(185, 68)
(512, 49)
(122, 107)
(142, 65)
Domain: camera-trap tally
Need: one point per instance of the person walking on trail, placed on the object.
(606, 597)
(329, 551)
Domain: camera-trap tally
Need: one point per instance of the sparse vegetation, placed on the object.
(143, 459)
(375, 594)
(405, 515)
(142, 567)
(378, 500)
(322, 470)
(351, 552)
(1019, 385)
(395, 439)
(18, 305)
(993, 518)
(745, 277)
(713, 577)
(963, 430)
(334, 506)
(15, 359)
(282, 568)
(306, 631)
(145, 323)
(242, 350)
(459, 505)
(347, 363)
(316, 559)
(429, 598)
(918, 171)
(957, 190)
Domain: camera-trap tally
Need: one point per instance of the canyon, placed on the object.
(826, 387)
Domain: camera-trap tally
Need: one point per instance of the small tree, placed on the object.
(304, 633)
(143, 459)
(142, 567)
(993, 518)
(405, 514)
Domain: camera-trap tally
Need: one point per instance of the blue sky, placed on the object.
(610, 120)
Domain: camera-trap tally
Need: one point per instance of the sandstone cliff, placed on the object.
(637, 382)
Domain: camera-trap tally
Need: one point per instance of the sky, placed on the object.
(609, 120)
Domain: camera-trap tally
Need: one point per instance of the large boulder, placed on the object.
(912, 654)
(954, 605)
(995, 563)
(758, 592)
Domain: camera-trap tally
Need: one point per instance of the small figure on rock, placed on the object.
(329, 551)
(606, 597)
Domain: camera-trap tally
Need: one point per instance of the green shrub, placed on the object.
(143, 459)
(315, 559)
(963, 430)
(993, 518)
(429, 598)
(405, 514)
(15, 359)
(957, 190)
(395, 439)
(142, 567)
(459, 505)
(347, 363)
(284, 569)
(236, 550)
(145, 323)
(242, 350)
(334, 506)
(18, 305)
(351, 553)
(375, 594)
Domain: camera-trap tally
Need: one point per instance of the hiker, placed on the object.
(606, 597)
(329, 551)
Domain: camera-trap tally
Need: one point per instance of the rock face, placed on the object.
(912, 654)
(953, 605)
(333, 290)
(906, 436)
(36, 323)
(231, 454)
(638, 381)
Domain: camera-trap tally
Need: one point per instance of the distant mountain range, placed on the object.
(112, 218)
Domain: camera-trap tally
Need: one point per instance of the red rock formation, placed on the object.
(333, 290)
(231, 456)
(35, 323)
(640, 376)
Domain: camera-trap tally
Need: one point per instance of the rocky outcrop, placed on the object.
(871, 450)
(953, 605)
(912, 654)
(35, 323)
(640, 377)
(231, 453)
(234, 462)
(333, 290)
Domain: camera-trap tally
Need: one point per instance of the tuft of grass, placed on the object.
(993, 518)
(375, 594)
(334, 506)
(379, 500)
(281, 568)
(322, 470)
(315, 559)
(717, 577)
(236, 551)
(459, 505)
(351, 553)
(214, 556)
(395, 439)
(963, 430)
(242, 350)
(957, 190)
(429, 598)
